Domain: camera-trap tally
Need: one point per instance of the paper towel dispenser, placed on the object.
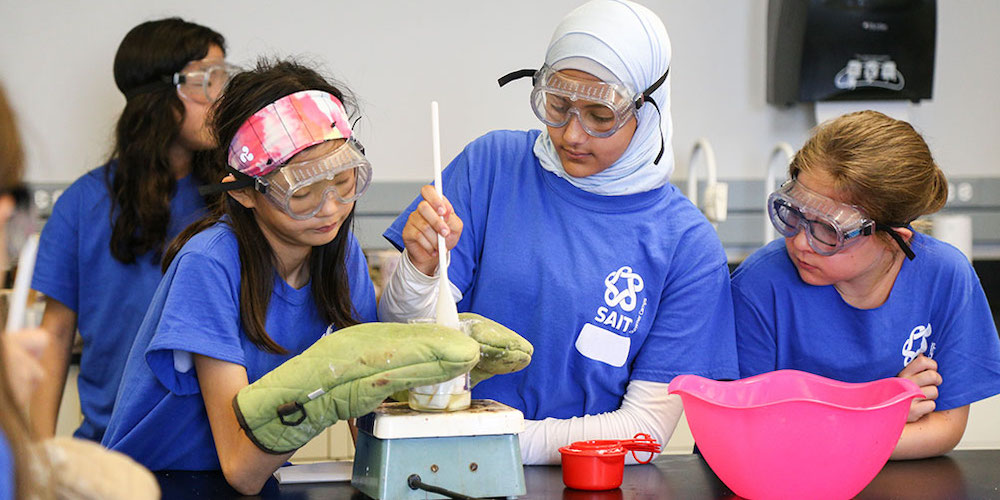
(831, 50)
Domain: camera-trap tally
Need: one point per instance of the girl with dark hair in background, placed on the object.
(272, 267)
(100, 251)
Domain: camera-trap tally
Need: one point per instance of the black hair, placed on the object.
(248, 92)
(142, 184)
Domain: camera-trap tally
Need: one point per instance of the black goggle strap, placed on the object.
(524, 73)
(517, 75)
(242, 181)
(659, 124)
(899, 239)
(163, 82)
(353, 124)
(647, 95)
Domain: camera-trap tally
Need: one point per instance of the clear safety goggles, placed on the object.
(831, 226)
(204, 85)
(301, 188)
(601, 107)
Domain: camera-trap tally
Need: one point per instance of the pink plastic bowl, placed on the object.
(791, 434)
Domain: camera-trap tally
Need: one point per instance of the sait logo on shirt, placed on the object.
(916, 344)
(621, 291)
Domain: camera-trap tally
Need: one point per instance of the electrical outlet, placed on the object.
(44, 197)
(962, 192)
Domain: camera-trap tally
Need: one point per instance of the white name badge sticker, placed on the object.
(602, 345)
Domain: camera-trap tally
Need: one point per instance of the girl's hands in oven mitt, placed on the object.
(347, 374)
(501, 350)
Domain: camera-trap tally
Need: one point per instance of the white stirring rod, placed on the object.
(447, 312)
(22, 284)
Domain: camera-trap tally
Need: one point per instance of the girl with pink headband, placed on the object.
(268, 272)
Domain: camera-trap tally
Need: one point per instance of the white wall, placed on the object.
(56, 56)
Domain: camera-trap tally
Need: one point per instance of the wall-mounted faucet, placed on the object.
(716, 193)
(771, 181)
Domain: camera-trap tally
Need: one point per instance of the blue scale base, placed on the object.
(477, 466)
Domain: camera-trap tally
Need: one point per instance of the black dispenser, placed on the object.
(834, 50)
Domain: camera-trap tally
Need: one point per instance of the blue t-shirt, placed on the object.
(159, 418)
(7, 472)
(607, 288)
(936, 307)
(75, 267)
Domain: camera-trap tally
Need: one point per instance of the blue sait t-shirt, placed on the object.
(607, 288)
(7, 473)
(159, 418)
(75, 267)
(936, 307)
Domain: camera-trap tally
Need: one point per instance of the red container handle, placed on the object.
(642, 442)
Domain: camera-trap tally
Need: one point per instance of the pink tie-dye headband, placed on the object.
(269, 138)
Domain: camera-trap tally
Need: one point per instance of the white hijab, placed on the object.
(628, 41)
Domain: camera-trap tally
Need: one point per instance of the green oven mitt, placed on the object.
(347, 374)
(501, 350)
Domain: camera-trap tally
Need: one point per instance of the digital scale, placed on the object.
(402, 453)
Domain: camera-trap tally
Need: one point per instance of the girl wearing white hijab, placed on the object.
(573, 237)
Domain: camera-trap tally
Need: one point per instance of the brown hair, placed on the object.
(247, 93)
(11, 152)
(12, 421)
(881, 164)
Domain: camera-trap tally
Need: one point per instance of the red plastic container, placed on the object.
(599, 464)
(593, 468)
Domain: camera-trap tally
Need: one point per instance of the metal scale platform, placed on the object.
(473, 452)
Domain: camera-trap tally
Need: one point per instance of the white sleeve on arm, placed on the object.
(410, 294)
(647, 407)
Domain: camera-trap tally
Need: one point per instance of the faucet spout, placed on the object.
(771, 181)
(716, 193)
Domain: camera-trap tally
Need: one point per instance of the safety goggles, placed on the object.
(601, 108)
(301, 188)
(262, 155)
(204, 85)
(831, 226)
